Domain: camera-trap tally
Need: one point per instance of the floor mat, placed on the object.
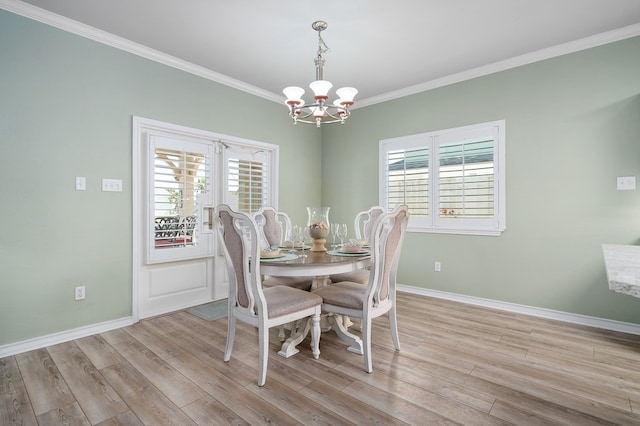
(210, 311)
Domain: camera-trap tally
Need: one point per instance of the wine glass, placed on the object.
(342, 233)
(299, 235)
(334, 231)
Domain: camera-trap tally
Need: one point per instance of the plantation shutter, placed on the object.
(453, 180)
(248, 179)
(407, 179)
(179, 188)
(466, 179)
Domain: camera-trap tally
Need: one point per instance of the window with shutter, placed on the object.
(452, 180)
(249, 183)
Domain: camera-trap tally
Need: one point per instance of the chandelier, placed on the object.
(320, 111)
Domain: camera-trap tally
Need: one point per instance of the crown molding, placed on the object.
(66, 24)
(518, 61)
(75, 27)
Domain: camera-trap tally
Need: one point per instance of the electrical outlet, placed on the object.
(437, 266)
(80, 292)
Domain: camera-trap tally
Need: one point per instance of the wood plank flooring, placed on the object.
(459, 364)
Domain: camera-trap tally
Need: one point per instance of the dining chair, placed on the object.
(378, 297)
(364, 221)
(248, 301)
(272, 233)
(362, 224)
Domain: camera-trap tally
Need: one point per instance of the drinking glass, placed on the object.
(334, 231)
(342, 233)
(299, 235)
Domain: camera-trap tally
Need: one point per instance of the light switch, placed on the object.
(81, 183)
(626, 183)
(112, 185)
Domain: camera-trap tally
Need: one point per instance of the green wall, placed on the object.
(66, 105)
(573, 126)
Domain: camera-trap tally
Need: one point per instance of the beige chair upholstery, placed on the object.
(362, 224)
(272, 234)
(248, 302)
(378, 297)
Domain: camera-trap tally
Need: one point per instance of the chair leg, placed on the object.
(315, 335)
(366, 344)
(393, 324)
(231, 335)
(263, 362)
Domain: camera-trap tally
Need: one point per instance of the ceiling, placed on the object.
(385, 49)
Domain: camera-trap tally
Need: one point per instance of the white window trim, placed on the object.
(432, 140)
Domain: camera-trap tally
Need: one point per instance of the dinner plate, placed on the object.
(283, 257)
(349, 253)
(296, 247)
(274, 256)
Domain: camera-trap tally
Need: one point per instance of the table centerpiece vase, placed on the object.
(318, 225)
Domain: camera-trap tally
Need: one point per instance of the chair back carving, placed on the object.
(276, 227)
(365, 220)
(239, 236)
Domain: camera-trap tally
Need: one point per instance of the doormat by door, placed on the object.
(210, 311)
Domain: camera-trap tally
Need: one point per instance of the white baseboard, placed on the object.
(624, 327)
(77, 333)
(63, 336)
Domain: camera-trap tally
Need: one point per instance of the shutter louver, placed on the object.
(407, 180)
(248, 183)
(466, 180)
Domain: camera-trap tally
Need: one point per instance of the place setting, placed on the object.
(275, 255)
(352, 248)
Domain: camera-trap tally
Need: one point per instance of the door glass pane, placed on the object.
(179, 180)
(248, 181)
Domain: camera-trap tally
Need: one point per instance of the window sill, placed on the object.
(483, 232)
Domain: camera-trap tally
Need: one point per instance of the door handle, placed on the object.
(209, 221)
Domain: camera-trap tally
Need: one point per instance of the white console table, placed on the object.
(623, 268)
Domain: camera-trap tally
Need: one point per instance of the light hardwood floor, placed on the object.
(459, 364)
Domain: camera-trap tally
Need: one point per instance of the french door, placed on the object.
(179, 175)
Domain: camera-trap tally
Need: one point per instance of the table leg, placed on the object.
(298, 334)
(319, 282)
(355, 343)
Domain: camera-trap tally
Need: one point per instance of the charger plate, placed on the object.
(282, 258)
(342, 253)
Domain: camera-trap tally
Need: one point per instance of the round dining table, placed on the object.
(318, 265)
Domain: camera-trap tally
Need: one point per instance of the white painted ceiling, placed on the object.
(380, 47)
